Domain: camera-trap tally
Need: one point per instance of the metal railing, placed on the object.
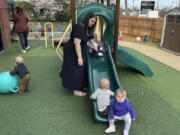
(52, 34)
(58, 49)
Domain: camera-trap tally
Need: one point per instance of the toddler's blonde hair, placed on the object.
(19, 60)
(121, 91)
(104, 83)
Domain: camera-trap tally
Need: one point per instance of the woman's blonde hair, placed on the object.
(121, 91)
(19, 60)
(104, 83)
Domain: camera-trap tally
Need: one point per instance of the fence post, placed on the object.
(130, 26)
(154, 29)
(151, 29)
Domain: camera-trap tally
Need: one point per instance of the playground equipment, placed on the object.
(58, 49)
(98, 30)
(133, 61)
(59, 28)
(103, 67)
(8, 83)
(52, 34)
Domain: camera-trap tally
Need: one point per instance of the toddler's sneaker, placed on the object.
(28, 47)
(25, 90)
(1, 51)
(17, 94)
(100, 54)
(125, 132)
(110, 129)
(24, 51)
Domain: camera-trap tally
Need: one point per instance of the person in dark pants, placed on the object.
(74, 72)
(21, 28)
(23, 73)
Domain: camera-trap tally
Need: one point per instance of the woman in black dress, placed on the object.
(74, 69)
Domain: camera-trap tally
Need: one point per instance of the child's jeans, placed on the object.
(127, 119)
(24, 82)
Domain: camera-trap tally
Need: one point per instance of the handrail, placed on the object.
(52, 33)
(97, 30)
(58, 50)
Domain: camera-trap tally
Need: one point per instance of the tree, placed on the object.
(65, 13)
(48, 10)
(28, 8)
(45, 9)
(163, 11)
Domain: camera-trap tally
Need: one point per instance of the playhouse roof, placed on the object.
(174, 11)
(11, 2)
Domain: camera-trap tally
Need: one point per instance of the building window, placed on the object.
(170, 19)
(178, 19)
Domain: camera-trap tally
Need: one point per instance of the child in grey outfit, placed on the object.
(103, 95)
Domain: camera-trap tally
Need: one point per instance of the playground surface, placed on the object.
(49, 109)
(166, 57)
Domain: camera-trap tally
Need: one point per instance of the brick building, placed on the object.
(5, 38)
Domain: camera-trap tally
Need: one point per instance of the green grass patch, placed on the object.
(49, 109)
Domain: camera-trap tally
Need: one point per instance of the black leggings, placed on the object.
(23, 39)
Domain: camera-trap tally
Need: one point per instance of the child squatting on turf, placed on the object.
(120, 109)
(22, 72)
(102, 95)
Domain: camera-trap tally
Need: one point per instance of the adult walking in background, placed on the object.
(21, 27)
(74, 69)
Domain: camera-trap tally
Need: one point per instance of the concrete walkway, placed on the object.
(165, 57)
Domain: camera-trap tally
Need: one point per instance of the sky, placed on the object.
(161, 3)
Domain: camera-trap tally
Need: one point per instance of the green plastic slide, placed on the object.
(98, 68)
(133, 61)
(103, 67)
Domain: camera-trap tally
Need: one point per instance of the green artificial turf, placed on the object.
(49, 109)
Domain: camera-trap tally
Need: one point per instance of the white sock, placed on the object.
(112, 125)
(126, 132)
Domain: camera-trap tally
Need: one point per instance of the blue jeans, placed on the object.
(23, 39)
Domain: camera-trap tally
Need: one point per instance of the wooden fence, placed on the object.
(134, 26)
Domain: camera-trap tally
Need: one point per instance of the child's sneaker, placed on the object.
(25, 90)
(125, 132)
(17, 94)
(110, 129)
(100, 54)
(2, 51)
(24, 51)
